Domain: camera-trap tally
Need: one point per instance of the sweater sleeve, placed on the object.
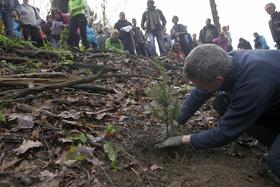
(192, 103)
(143, 20)
(163, 20)
(247, 104)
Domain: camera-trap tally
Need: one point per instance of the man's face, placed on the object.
(134, 22)
(175, 20)
(211, 86)
(122, 16)
(150, 4)
(208, 21)
(25, 2)
(49, 19)
(270, 9)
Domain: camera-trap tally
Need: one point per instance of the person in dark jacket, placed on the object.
(179, 34)
(8, 11)
(139, 38)
(208, 32)
(153, 22)
(274, 23)
(243, 44)
(250, 82)
(125, 34)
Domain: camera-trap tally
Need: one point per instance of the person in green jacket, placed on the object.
(78, 21)
(114, 43)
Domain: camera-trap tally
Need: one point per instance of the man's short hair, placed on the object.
(271, 4)
(206, 62)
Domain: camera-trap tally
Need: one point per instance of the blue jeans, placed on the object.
(8, 21)
(158, 34)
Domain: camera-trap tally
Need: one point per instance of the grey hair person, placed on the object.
(206, 62)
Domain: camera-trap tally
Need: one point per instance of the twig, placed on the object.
(68, 84)
(88, 176)
(107, 175)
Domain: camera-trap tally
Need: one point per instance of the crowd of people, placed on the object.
(23, 21)
(246, 81)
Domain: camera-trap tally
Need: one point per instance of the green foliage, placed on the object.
(13, 42)
(2, 117)
(3, 104)
(64, 37)
(112, 155)
(165, 106)
(80, 138)
(27, 67)
(88, 72)
(74, 154)
(187, 88)
(111, 129)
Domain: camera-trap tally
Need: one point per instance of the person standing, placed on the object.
(222, 41)
(208, 32)
(29, 18)
(153, 22)
(274, 23)
(125, 33)
(8, 12)
(179, 34)
(78, 21)
(139, 39)
(195, 40)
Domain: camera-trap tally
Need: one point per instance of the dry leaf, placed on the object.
(27, 144)
(25, 122)
(156, 167)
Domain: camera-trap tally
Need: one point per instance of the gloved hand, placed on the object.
(171, 131)
(170, 142)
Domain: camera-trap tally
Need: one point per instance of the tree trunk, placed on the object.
(62, 5)
(215, 14)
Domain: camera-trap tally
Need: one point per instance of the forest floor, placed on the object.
(88, 123)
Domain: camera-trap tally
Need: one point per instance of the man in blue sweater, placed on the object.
(251, 79)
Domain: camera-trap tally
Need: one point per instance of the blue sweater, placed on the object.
(253, 85)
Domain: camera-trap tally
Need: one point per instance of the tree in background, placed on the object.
(215, 14)
(62, 5)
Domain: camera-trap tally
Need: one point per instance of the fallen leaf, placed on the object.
(47, 175)
(25, 122)
(100, 116)
(156, 167)
(27, 144)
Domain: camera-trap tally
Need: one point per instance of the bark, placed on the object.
(62, 5)
(215, 14)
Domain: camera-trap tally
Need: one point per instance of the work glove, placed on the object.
(170, 142)
(170, 131)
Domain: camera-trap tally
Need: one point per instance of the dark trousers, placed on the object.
(141, 49)
(278, 45)
(32, 33)
(266, 130)
(186, 48)
(78, 21)
(8, 22)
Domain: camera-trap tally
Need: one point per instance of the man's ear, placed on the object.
(220, 79)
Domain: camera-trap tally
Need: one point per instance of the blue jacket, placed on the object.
(91, 36)
(260, 43)
(253, 85)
